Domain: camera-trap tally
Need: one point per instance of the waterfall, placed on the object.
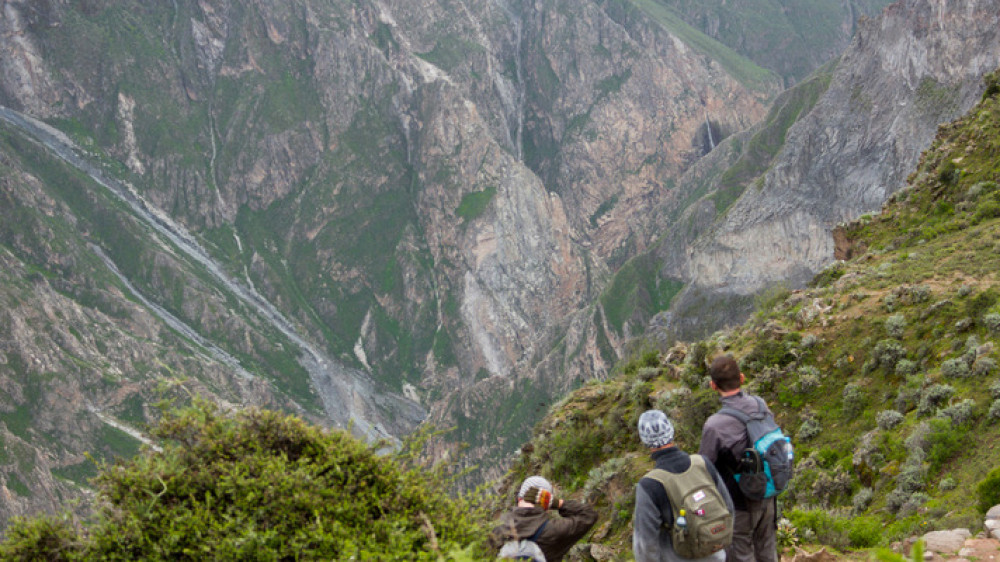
(708, 129)
(519, 95)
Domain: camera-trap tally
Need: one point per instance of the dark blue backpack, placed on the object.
(765, 467)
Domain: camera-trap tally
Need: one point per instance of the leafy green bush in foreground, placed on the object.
(261, 486)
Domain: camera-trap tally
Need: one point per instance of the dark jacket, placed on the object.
(723, 439)
(558, 536)
(650, 539)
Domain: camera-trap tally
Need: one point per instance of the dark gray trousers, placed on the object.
(754, 534)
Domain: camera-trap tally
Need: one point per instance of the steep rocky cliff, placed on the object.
(382, 211)
(351, 201)
(920, 64)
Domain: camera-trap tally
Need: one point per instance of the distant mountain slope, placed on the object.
(833, 148)
(790, 37)
(425, 197)
(884, 371)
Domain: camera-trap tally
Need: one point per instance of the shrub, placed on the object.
(944, 441)
(862, 500)
(988, 490)
(920, 294)
(810, 428)
(947, 484)
(895, 500)
(907, 399)
(807, 383)
(261, 485)
(895, 325)
(827, 487)
(44, 538)
(955, 368)
(670, 398)
(960, 412)
(888, 419)
(933, 396)
(995, 410)
(995, 389)
(864, 532)
(905, 367)
(853, 399)
(647, 373)
(984, 366)
(992, 322)
(817, 525)
(887, 353)
(911, 476)
(598, 478)
(913, 503)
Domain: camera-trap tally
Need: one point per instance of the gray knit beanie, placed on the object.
(655, 430)
(534, 482)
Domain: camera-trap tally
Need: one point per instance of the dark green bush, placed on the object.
(945, 440)
(988, 490)
(864, 532)
(263, 486)
(45, 538)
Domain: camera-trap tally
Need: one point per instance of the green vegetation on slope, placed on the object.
(636, 287)
(765, 144)
(885, 371)
(789, 37)
(259, 486)
(743, 69)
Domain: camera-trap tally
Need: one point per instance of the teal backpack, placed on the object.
(766, 466)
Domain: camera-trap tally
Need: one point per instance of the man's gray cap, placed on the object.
(655, 430)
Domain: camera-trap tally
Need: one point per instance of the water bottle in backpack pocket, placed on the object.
(702, 523)
(764, 468)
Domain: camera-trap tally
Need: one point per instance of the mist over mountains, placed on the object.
(374, 214)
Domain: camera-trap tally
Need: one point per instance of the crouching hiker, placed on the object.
(527, 532)
(682, 507)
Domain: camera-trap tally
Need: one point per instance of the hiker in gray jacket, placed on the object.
(653, 516)
(723, 438)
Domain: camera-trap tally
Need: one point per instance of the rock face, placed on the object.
(430, 193)
(918, 65)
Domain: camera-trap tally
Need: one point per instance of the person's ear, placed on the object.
(743, 378)
(712, 385)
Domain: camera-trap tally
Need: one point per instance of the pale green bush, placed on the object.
(888, 419)
(895, 325)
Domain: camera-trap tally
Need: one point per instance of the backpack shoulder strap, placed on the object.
(674, 484)
(733, 412)
(538, 532)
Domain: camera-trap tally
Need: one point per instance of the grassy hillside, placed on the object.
(884, 371)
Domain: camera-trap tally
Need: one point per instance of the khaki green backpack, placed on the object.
(709, 526)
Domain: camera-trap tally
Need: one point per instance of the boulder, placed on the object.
(945, 541)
